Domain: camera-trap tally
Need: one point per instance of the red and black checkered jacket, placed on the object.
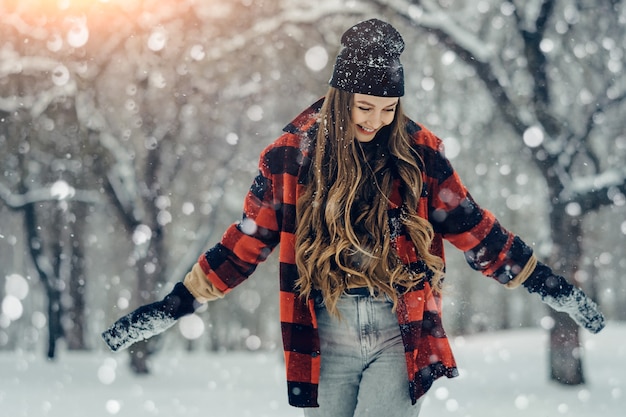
(269, 218)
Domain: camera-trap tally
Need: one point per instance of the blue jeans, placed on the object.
(363, 368)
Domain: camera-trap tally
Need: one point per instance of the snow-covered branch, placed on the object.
(121, 174)
(62, 84)
(290, 14)
(12, 63)
(58, 191)
(594, 191)
(430, 15)
(15, 20)
(611, 178)
(473, 51)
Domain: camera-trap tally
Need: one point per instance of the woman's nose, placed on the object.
(375, 120)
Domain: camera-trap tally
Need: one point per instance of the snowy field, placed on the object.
(502, 374)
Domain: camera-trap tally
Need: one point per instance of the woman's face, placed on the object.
(370, 113)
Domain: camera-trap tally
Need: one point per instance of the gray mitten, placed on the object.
(562, 296)
(151, 319)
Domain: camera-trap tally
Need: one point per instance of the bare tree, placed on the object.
(549, 69)
(55, 256)
(148, 96)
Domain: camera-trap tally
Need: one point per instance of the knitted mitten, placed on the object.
(562, 296)
(150, 320)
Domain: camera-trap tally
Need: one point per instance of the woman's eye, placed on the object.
(364, 108)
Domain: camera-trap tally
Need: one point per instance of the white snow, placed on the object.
(502, 374)
(316, 58)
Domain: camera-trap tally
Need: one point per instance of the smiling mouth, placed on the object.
(366, 130)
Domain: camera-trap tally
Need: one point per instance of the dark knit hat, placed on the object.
(369, 62)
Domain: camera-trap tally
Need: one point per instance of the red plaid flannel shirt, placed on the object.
(269, 218)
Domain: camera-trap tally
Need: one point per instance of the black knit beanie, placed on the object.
(369, 62)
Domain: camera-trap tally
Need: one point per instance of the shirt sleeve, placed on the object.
(248, 242)
(487, 245)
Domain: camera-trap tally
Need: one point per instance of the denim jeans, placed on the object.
(363, 368)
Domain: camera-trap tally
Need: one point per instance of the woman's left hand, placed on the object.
(582, 309)
(562, 296)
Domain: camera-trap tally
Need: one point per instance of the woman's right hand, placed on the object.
(151, 319)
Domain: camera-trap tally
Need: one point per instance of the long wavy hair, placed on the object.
(342, 222)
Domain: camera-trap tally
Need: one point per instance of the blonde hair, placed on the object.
(328, 250)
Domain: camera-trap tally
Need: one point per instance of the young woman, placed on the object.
(360, 199)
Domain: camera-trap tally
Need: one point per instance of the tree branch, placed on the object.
(593, 192)
(465, 46)
(537, 69)
(601, 106)
(59, 191)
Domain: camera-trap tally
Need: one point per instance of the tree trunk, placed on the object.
(564, 352)
(565, 359)
(44, 268)
(75, 310)
(55, 329)
(146, 294)
(139, 357)
(150, 270)
(46, 275)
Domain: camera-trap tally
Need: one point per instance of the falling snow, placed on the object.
(500, 374)
(154, 129)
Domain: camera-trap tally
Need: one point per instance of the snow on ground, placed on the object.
(502, 374)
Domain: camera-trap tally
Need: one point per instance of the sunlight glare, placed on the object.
(58, 5)
(48, 11)
(68, 4)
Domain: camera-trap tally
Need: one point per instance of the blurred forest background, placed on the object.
(130, 132)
